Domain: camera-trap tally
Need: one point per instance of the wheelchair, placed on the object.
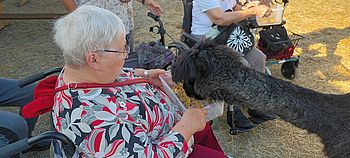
(17, 134)
(284, 56)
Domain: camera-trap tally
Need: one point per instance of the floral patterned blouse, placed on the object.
(125, 121)
(122, 9)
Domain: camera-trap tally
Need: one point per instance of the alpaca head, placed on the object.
(201, 61)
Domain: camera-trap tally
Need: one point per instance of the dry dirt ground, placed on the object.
(26, 47)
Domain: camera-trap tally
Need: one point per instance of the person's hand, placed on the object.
(265, 2)
(259, 10)
(251, 4)
(268, 12)
(153, 76)
(168, 79)
(192, 115)
(154, 7)
(263, 11)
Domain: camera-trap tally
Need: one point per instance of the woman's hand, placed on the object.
(154, 7)
(191, 122)
(168, 78)
(153, 76)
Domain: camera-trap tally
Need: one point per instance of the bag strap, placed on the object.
(95, 85)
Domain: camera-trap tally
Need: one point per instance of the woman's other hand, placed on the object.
(195, 115)
(191, 122)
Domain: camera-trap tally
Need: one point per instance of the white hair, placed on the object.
(86, 29)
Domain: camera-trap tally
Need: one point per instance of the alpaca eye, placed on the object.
(202, 64)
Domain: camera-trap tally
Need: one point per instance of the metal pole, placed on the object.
(31, 16)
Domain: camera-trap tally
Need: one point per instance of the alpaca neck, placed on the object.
(294, 104)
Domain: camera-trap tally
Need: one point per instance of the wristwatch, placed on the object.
(145, 74)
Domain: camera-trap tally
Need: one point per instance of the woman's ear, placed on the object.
(93, 60)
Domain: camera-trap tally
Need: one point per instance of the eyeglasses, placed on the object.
(126, 50)
(125, 1)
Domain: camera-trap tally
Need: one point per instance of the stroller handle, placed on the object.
(23, 144)
(38, 76)
(153, 16)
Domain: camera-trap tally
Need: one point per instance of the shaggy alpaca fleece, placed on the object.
(214, 71)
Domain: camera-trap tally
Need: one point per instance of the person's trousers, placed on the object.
(206, 145)
(256, 59)
(12, 95)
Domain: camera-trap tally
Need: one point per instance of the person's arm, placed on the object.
(222, 18)
(153, 6)
(69, 5)
(186, 127)
(151, 75)
(139, 72)
(237, 7)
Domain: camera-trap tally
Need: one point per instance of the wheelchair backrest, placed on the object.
(187, 18)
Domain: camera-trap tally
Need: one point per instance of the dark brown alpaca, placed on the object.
(215, 71)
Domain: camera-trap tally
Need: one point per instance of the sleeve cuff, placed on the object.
(180, 139)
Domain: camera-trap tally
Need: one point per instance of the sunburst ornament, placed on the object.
(239, 40)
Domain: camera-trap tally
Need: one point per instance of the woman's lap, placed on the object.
(200, 151)
(206, 144)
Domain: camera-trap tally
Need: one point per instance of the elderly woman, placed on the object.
(110, 111)
(124, 10)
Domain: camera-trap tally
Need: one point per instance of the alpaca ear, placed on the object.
(182, 67)
(202, 61)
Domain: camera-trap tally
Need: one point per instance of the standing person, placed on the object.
(13, 95)
(111, 111)
(124, 10)
(205, 13)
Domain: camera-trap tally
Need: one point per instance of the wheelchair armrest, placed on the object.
(253, 24)
(190, 37)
